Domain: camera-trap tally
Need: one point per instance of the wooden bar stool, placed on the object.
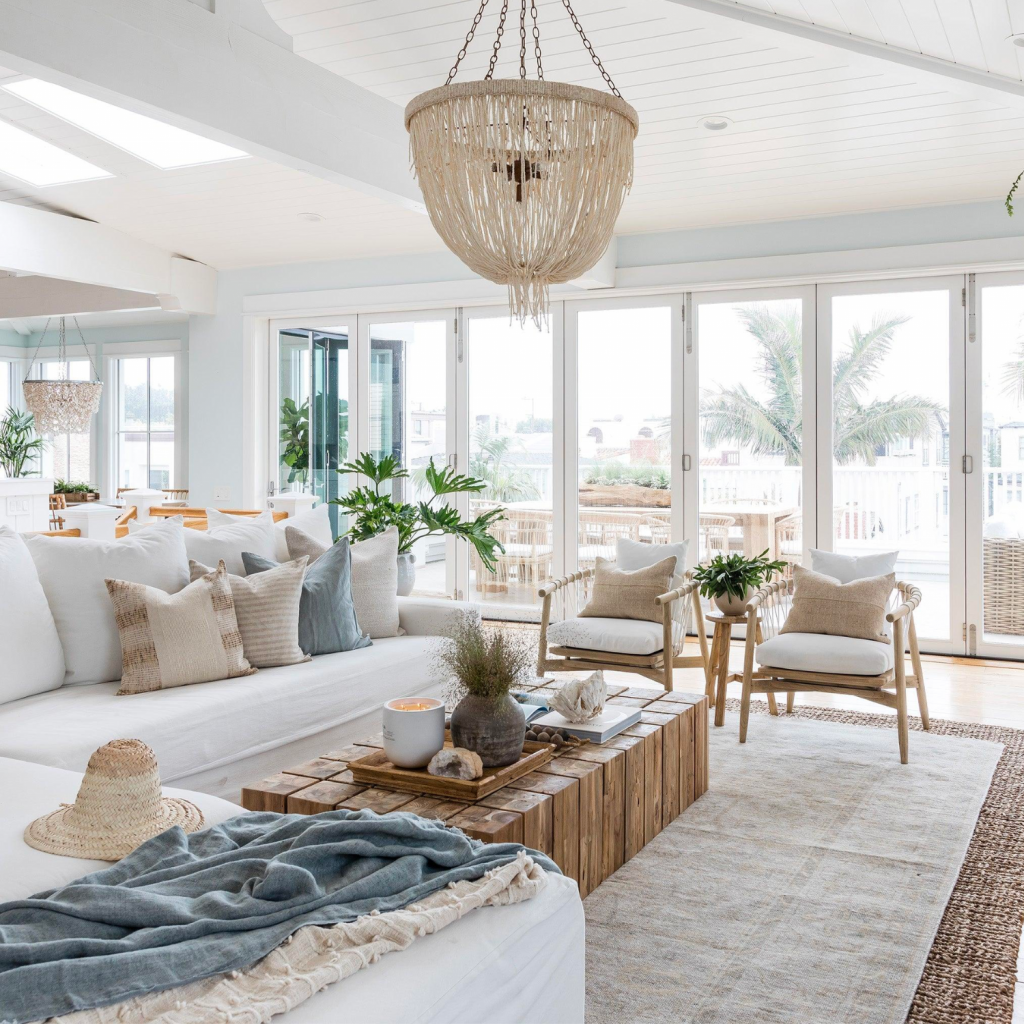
(717, 668)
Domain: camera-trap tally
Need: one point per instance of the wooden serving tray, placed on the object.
(376, 770)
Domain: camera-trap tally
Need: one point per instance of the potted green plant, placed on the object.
(730, 581)
(372, 511)
(295, 440)
(484, 666)
(19, 448)
(75, 491)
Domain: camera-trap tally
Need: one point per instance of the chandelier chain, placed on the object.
(536, 40)
(465, 46)
(62, 349)
(522, 40)
(497, 42)
(590, 49)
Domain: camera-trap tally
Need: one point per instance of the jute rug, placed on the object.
(821, 882)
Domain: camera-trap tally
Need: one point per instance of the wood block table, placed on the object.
(590, 810)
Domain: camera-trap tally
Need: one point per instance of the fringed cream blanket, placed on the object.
(315, 957)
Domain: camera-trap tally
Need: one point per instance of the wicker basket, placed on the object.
(1004, 585)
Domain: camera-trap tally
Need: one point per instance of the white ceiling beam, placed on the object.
(46, 244)
(22, 327)
(46, 296)
(782, 29)
(209, 73)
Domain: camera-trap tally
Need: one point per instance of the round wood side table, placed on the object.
(717, 670)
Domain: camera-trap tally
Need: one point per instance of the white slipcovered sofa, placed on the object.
(216, 737)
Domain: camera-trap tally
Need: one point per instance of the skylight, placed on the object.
(39, 162)
(157, 143)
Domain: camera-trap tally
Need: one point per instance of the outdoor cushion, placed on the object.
(847, 568)
(818, 652)
(617, 636)
(632, 554)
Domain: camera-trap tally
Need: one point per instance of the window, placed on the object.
(5, 385)
(67, 456)
(1020, 446)
(144, 443)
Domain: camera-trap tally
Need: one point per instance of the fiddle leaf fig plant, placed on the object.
(734, 575)
(372, 510)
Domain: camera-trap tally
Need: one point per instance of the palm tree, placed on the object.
(1013, 375)
(505, 482)
(775, 426)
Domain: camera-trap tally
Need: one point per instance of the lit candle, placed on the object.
(413, 730)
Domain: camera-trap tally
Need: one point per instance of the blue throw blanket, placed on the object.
(181, 908)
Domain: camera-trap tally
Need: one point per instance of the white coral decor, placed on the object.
(581, 699)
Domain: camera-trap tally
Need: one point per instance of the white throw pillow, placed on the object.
(632, 555)
(375, 583)
(315, 522)
(848, 568)
(33, 659)
(225, 542)
(72, 570)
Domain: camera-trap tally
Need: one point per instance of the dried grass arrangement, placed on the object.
(482, 662)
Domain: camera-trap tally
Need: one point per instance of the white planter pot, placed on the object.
(729, 605)
(406, 573)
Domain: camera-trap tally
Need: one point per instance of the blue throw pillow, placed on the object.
(327, 616)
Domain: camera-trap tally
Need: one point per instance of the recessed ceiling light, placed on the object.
(32, 159)
(313, 218)
(714, 122)
(157, 143)
(1018, 39)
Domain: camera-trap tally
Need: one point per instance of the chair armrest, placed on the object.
(911, 599)
(549, 587)
(765, 593)
(673, 595)
(430, 616)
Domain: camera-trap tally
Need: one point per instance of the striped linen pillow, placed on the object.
(176, 639)
(267, 609)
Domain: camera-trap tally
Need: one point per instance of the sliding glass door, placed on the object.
(508, 440)
(407, 417)
(890, 424)
(750, 424)
(995, 467)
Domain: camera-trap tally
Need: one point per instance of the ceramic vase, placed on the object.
(495, 729)
(406, 573)
(729, 605)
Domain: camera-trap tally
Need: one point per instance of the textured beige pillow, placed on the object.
(175, 639)
(621, 594)
(822, 604)
(267, 610)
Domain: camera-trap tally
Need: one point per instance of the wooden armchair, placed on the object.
(811, 663)
(58, 503)
(650, 649)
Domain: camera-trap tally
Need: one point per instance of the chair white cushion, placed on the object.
(33, 659)
(848, 568)
(315, 521)
(617, 636)
(72, 570)
(817, 652)
(632, 555)
(1001, 528)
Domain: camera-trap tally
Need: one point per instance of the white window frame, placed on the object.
(112, 353)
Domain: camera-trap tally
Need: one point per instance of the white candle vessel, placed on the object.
(413, 730)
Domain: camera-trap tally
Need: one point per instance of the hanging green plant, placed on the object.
(1009, 195)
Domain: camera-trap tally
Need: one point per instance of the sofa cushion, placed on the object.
(176, 639)
(315, 522)
(196, 728)
(823, 605)
(222, 543)
(72, 571)
(817, 652)
(374, 577)
(617, 636)
(267, 610)
(32, 655)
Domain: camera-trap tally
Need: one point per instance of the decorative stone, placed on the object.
(580, 700)
(456, 763)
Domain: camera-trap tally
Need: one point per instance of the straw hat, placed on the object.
(118, 807)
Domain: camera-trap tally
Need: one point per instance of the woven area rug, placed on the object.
(821, 882)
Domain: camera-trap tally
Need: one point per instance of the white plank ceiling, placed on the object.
(815, 131)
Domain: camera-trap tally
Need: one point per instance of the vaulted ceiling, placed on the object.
(814, 128)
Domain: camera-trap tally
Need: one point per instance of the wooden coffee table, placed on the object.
(590, 810)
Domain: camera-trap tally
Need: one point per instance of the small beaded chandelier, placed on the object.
(62, 406)
(523, 178)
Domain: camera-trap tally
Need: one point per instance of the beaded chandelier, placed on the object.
(62, 406)
(523, 178)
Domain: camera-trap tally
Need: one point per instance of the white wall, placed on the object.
(678, 259)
